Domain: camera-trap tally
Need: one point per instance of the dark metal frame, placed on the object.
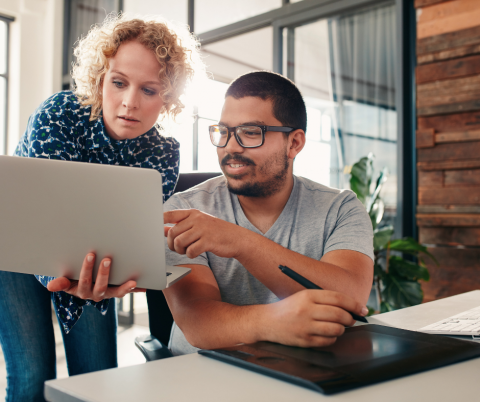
(293, 15)
(5, 75)
(407, 174)
(264, 129)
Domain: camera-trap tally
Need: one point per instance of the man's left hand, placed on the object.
(196, 232)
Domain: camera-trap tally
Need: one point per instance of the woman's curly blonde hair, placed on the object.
(177, 52)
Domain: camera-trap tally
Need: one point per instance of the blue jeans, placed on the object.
(28, 343)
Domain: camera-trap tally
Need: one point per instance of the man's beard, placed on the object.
(274, 182)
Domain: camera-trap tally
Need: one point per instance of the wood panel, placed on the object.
(449, 152)
(430, 179)
(450, 220)
(447, 17)
(462, 178)
(446, 9)
(457, 52)
(451, 236)
(448, 69)
(448, 209)
(467, 106)
(448, 142)
(448, 41)
(448, 91)
(423, 3)
(460, 136)
(425, 138)
(451, 122)
(448, 195)
(446, 281)
(448, 165)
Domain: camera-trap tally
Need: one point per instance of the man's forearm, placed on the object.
(209, 324)
(261, 257)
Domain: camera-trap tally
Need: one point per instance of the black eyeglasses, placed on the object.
(246, 136)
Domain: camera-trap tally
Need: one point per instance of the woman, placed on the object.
(128, 73)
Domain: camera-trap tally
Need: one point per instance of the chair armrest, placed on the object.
(152, 348)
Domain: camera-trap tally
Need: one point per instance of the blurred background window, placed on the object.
(211, 14)
(79, 16)
(345, 68)
(4, 31)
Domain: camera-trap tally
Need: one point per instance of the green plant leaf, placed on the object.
(371, 311)
(385, 307)
(361, 178)
(381, 237)
(407, 269)
(410, 246)
(399, 292)
(378, 270)
(376, 212)
(381, 179)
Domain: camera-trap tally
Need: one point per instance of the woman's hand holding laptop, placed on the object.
(87, 289)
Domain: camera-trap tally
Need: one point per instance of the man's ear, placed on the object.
(296, 142)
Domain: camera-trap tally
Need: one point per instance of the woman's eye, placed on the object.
(118, 84)
(148, 91)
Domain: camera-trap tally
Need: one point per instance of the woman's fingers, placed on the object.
(122, 290)
(84, 288)
(59, 284)
(101, 281)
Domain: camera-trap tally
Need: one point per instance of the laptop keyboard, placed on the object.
(465, 323)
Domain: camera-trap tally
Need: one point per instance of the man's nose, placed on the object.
(233, 147)
(131, 99)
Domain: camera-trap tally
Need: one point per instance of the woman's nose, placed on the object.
(131, 100)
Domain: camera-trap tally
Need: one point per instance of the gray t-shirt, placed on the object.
(316, 219)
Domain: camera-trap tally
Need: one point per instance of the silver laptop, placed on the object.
(52, 213)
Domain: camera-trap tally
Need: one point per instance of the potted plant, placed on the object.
(396, 278)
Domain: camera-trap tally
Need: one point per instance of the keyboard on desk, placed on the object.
(464, 323)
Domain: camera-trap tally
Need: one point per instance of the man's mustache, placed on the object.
(237, 158)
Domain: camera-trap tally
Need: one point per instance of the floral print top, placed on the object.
(60, 129)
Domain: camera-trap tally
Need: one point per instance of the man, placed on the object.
(234, 232)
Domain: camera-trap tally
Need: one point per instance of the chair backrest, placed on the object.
(159, 314)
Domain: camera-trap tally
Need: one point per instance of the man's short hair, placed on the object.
(288, 105)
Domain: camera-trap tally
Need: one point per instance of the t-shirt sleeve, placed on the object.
(172, 257)
(352, 228)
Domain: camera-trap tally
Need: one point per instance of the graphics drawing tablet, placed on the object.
(363, 355)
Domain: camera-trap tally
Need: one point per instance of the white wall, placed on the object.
(36, 38)
(173, 10)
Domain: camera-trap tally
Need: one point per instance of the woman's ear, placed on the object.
(296, 142)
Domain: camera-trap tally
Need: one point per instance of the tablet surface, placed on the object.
(364, 355)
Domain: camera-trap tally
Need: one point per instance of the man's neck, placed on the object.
(262, 212)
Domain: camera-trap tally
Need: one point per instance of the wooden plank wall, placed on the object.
(448, 142)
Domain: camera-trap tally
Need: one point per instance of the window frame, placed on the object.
(5, 75)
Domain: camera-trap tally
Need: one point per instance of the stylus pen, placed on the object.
(310, 285)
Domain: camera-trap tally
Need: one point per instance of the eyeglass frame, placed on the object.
(280, 129)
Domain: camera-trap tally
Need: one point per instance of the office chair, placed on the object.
(154, 346)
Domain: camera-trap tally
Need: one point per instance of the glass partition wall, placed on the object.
(345, 69)
(345, 66)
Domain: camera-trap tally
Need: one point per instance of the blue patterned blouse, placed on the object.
(60, 129)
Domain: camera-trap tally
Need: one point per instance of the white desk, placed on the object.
(198, 378)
